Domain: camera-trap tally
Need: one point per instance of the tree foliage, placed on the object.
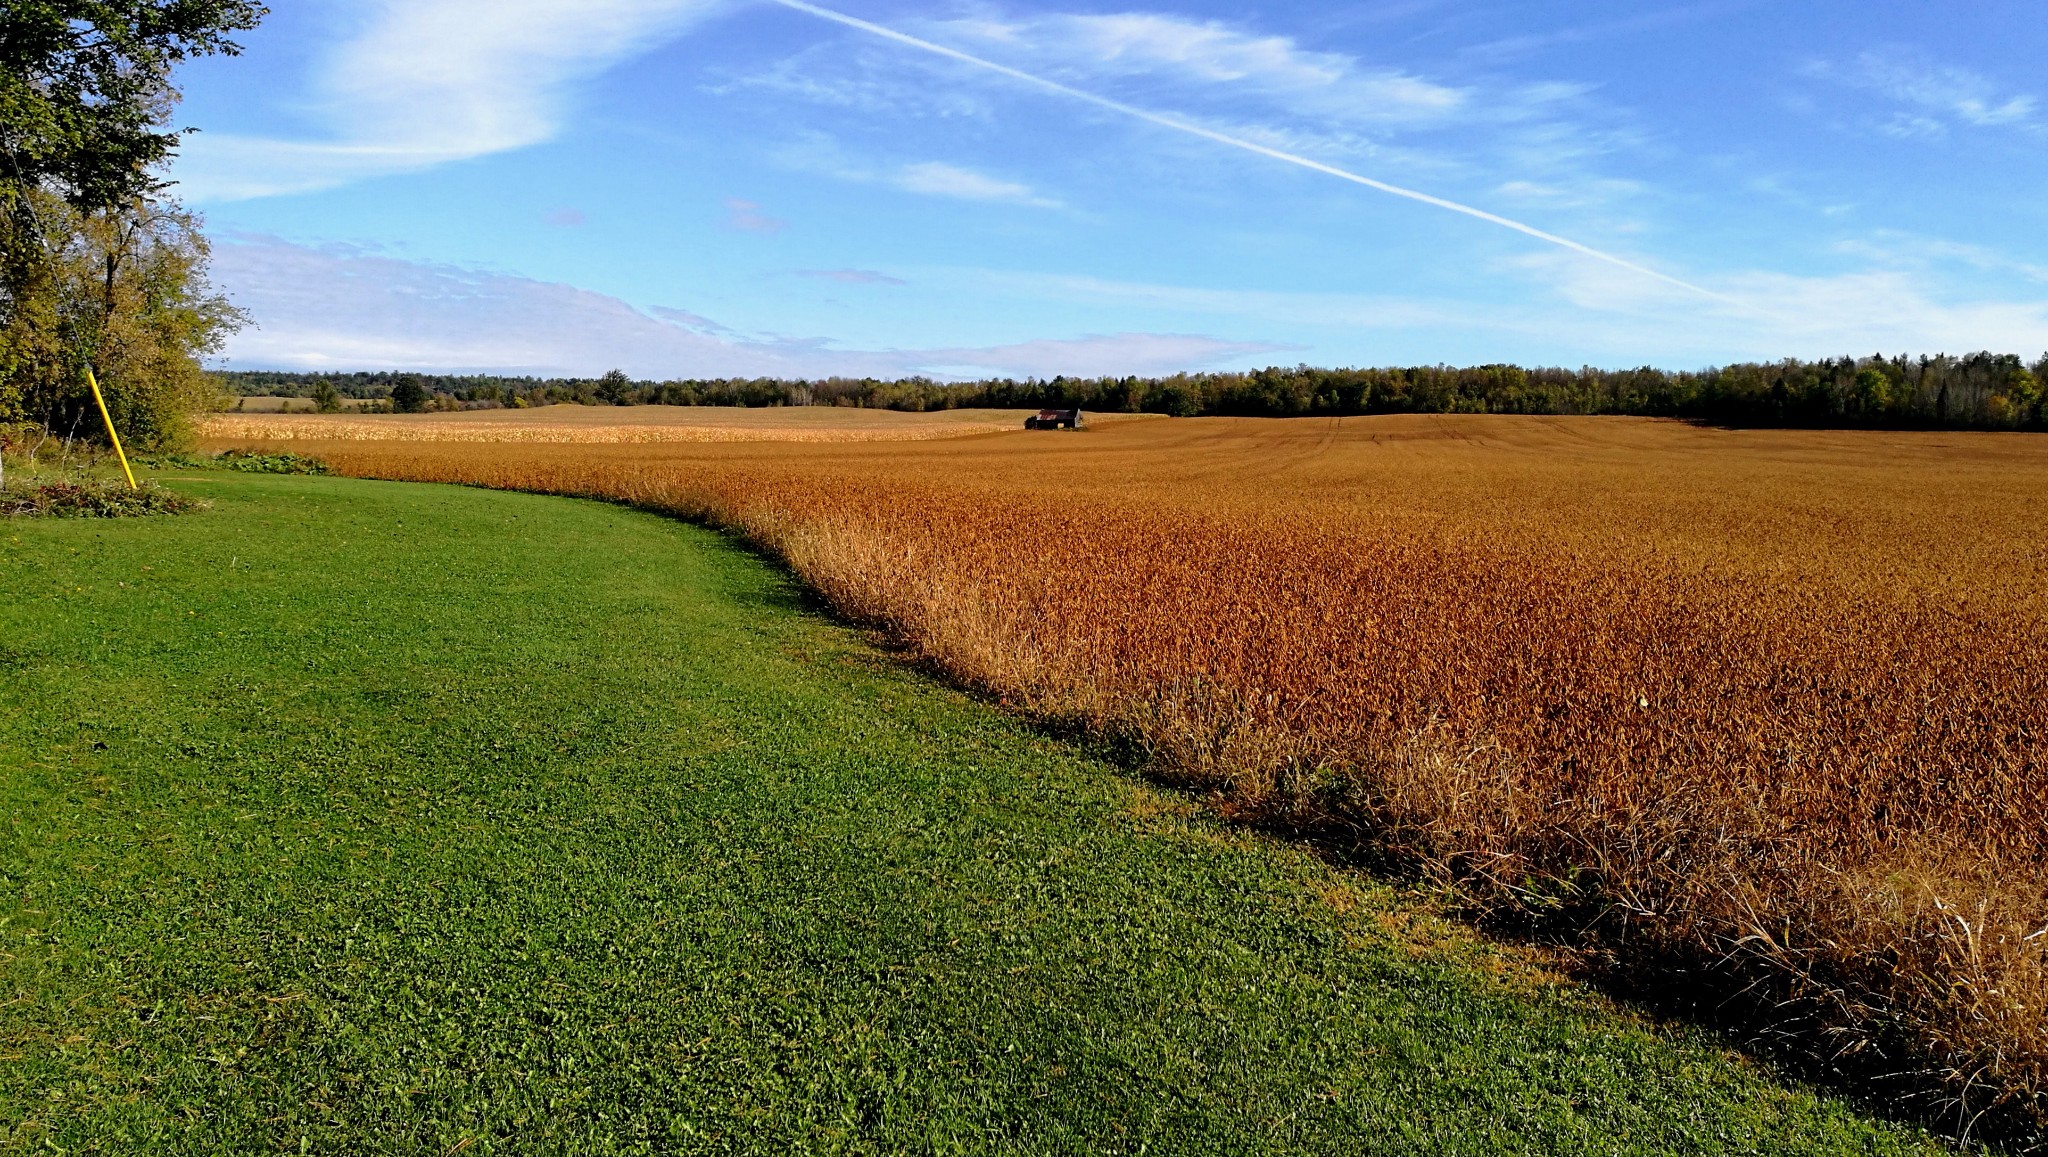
(409, 394)
(97, 266)
(127, 290)
(86, 93)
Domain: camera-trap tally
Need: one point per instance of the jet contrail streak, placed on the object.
(1182, 126)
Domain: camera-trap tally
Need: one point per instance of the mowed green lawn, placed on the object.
(356, 817)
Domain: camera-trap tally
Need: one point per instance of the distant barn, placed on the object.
(1054, 420)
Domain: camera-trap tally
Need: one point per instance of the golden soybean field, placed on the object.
(1761, 706)
(586, 424)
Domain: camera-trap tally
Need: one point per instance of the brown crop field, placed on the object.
(634, 424)
(1765, 708)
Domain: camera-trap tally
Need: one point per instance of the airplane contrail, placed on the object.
(1195, 130)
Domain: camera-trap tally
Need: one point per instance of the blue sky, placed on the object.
(715, 187)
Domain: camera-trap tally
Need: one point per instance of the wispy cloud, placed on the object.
(336, 307)
(1856, 311)
(1892, 249)
(1232, 78)
(1351, 311)
(1936, 99)
(938, 179)
(851, 276)
(818, 153)
(1096, 355)
(1575, 308)
(1588, 194)
(1190, 128)
(1515, 47)
(819, 76)
(426, 82)
(1198, 53)
(694, 322)
(748, 217)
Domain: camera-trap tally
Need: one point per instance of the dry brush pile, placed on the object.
(1764, 707)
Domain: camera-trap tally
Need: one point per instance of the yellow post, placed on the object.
(111, 432)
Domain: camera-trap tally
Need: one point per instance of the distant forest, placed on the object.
(1986, 391)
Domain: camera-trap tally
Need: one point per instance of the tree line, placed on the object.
(1979, 391)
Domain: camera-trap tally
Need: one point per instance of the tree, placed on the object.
(614, 387)
(85, 103)
(326, 398)
(1175, 400)
(2021, 395)
(409, 395)
(1873, 393)
(128, 292)
(85, 90)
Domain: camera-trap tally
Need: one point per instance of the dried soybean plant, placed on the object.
(1765, 706)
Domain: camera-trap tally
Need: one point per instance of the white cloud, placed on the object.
(817, 75)
(1586, 310)
(1357, 311)
(1909, 126)
(1214, 80)
(1892, 248)
(1888, 309)
(1516, 47)
(1208, 53)
(341, 308)
(747, 217)
(1590, 194)
(818, 153)
(938, 179)
(1938, 98)
(1143, 41)
(851, 276)
(426, 82)
(1790, 315)
(345, 308)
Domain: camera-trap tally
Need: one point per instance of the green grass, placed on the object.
(359, 817)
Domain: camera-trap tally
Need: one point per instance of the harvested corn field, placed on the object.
(630, 425)
(1764, 703)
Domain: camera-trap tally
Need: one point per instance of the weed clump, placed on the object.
(245, 461)
(251, 462)
(93, 498)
